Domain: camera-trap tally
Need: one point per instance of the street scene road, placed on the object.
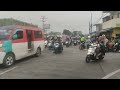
(60, 45)
(68, 65)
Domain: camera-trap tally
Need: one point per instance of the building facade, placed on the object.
(111, 24)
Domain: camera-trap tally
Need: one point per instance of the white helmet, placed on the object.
(89, 37)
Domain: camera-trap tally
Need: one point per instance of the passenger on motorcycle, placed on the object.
(105, 40)
(101, 47)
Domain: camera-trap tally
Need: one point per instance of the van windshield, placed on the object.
(4, 34)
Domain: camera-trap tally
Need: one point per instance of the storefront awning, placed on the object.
(103, 30)
(106, 30)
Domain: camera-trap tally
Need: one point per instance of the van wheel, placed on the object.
(8, 60)
(38, 52)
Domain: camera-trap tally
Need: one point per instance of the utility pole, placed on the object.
(91, 21)
(89, 28)
(43, 20)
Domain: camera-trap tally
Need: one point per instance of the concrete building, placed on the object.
(111, 24)
(98, 28)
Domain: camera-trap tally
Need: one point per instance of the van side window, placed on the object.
(38, 34)
(19, 35)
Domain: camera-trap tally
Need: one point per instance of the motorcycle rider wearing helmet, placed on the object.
(88, 42)
(67, 39)
(60, 42)
(82, 39)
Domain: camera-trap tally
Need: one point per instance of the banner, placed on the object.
(46, 26)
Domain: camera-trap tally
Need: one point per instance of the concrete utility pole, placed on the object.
(91, 21)
(89, 28)
(43, 20)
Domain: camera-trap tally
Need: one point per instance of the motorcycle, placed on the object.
(91, 55)
(45, 43)
(116, 47)
(82, 46)
(57, 48)
(109, 47)
(75, 42)
(67, 43)
(50, 46)
(78, 41)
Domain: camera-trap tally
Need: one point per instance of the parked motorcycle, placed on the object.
(91, 55)
(116, 47)
(57, 48)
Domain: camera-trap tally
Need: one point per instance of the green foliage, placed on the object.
(66, 32)
(10, 21)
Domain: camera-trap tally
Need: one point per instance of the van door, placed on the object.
(30, 44)
(18, 44)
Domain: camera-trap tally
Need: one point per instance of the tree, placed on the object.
(11, 21)
(66, 32)
(51, 33)
(77, 33)
(54, 33)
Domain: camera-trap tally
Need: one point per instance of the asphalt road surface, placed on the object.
(68, 65)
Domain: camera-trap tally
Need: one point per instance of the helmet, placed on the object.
(89, 37)
(103, 36)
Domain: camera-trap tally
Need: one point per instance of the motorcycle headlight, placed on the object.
(2, 49)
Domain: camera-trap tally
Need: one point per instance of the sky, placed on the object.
(59, 20)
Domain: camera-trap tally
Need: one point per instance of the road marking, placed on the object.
(7, 71)
(111, 74)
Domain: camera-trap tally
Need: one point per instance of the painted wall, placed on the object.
(115, 31)
(111, 23)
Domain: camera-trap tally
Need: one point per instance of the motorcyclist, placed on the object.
(88, 42)
(52, 41)
(105, 40)
(70, 40)
(67, 39)
(58, 40)
(101, 47)
(82, 39)
(117, 40)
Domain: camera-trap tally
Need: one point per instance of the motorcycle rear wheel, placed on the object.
(114, 49)
(88, 59)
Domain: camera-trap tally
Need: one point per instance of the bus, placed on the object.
(17, 42)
